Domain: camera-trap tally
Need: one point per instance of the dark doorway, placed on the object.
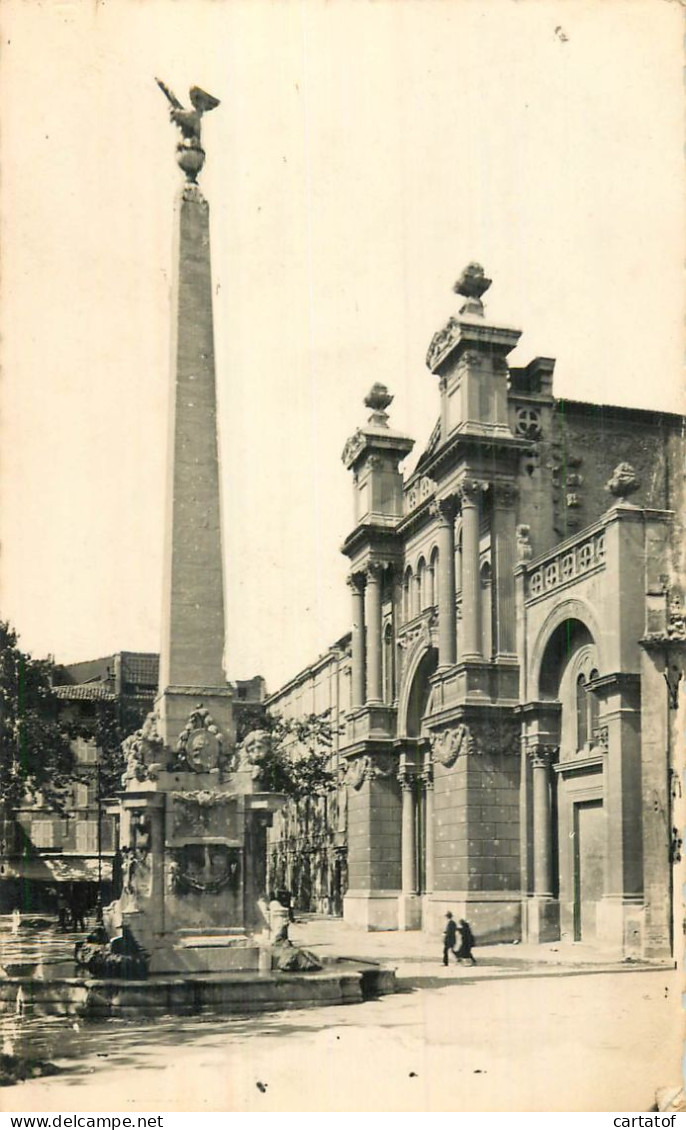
(589, 867)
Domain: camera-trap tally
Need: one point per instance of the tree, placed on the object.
(111, 724)
(297, 760)
(35, 750)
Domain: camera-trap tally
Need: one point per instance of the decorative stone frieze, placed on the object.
(353, 448)
(418, 630)
(367, 768)
(447, 745)
(499, 736)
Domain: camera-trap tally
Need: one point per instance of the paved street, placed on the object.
(527, 1029)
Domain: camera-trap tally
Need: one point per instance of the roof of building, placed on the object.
(88, 692)
(140, 667)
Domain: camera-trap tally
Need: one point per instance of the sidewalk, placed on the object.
(416, 955)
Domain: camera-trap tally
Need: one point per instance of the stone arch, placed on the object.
(415, 689)
(573, 610)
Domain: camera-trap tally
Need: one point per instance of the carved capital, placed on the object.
(469, 492)
(444, 509)
(374, 572)
(406, 779)
(504, 495)
(355, 582)
(427, 777)
(542, 756)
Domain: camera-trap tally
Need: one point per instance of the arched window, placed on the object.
(388, 665)
(407, 595)
(581, 713)
(458, 562)
(421, 584)
(486, 578)
(592, 706)
(433, 578)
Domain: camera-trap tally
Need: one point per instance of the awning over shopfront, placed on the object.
(56, 869)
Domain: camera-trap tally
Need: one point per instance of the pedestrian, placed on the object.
(62, 910)
(16, 920)
(467, 942)
(449, 938)
(78, 911)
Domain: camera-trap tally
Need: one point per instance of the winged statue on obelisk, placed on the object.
(189, 151)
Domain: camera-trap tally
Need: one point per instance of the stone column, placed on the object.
(408, 840)
(409, 912)
(503, 556)
(428, 781)
(356, 583)
(444, 511)
(470, 493)
(374, 645)
(541, 757)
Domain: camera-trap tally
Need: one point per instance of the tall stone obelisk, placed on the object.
(191, 659)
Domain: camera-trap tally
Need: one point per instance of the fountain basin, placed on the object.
(240, 992)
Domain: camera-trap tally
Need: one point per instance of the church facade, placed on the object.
(506, 706)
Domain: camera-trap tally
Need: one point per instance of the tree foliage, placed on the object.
(107, 728)
(297, 761)
(35, 750)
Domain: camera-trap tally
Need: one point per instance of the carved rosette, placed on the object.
(447, 745)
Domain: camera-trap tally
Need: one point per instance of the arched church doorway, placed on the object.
(576, 835)
(420, 693)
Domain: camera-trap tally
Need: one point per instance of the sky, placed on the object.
(363, 153)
